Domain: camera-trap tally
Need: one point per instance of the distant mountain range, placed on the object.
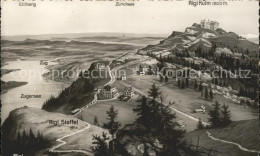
(79, 35)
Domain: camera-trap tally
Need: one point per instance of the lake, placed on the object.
(30, 71)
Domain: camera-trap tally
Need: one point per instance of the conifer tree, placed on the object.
(187, 82)
(143, 111)
(31, 136)
(195, 85)
(100, 147)
(140, 68)
(24, 139)
(161, 78)
(18, 142)
(214, 115)
(200, 125)
(254, 94)
(225, 115)
(200, 86)
(39, 137)
(166, 79)
(216, 81)
(182, 84)
(179, 83)
(81, 117)
(166, 118)
(112, 125)
(206, 94)
(154, 92)
(96, 121)
(210, 94)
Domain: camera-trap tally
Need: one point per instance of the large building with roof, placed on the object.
(207, 24)
(109, 92)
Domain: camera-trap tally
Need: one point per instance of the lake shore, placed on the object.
(27, 81)
(5, 86)
(6, 71)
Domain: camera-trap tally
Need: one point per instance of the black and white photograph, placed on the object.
(130, 78)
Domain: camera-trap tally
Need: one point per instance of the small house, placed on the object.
(142, 70)
(101, 66)
(123, 78)
(181, 123)
(128, 91)
(199, 110)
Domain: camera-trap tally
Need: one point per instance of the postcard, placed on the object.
(130, 77)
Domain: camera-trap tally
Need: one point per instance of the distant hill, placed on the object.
(78, 35)
(79, 93)
(5, 86)
(25, 118)
(199, 48)
(196, 36)
(254, 40)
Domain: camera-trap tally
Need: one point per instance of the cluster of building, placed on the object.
(111, 92)
(207, 24)
(143, 70)
(122, 77)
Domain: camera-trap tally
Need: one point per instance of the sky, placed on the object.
(157, 17)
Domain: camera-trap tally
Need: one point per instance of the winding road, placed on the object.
(112, 74)
(62, 142)
(175, 109)
(233, 143)
(194, 119)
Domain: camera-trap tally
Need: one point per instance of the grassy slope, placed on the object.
(38, 120)
(83, 140)
(231, 39)
(162, 43)
(242, 132)
(125, 112)
(188, 99)
(79, 93)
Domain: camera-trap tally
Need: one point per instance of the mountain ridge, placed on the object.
(195, 35)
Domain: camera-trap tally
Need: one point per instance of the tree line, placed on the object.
(225, 60)
(219, 116)
(76, 94)
(25, 143)
(206, 93)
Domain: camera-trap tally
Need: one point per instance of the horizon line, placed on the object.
(84, 33)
